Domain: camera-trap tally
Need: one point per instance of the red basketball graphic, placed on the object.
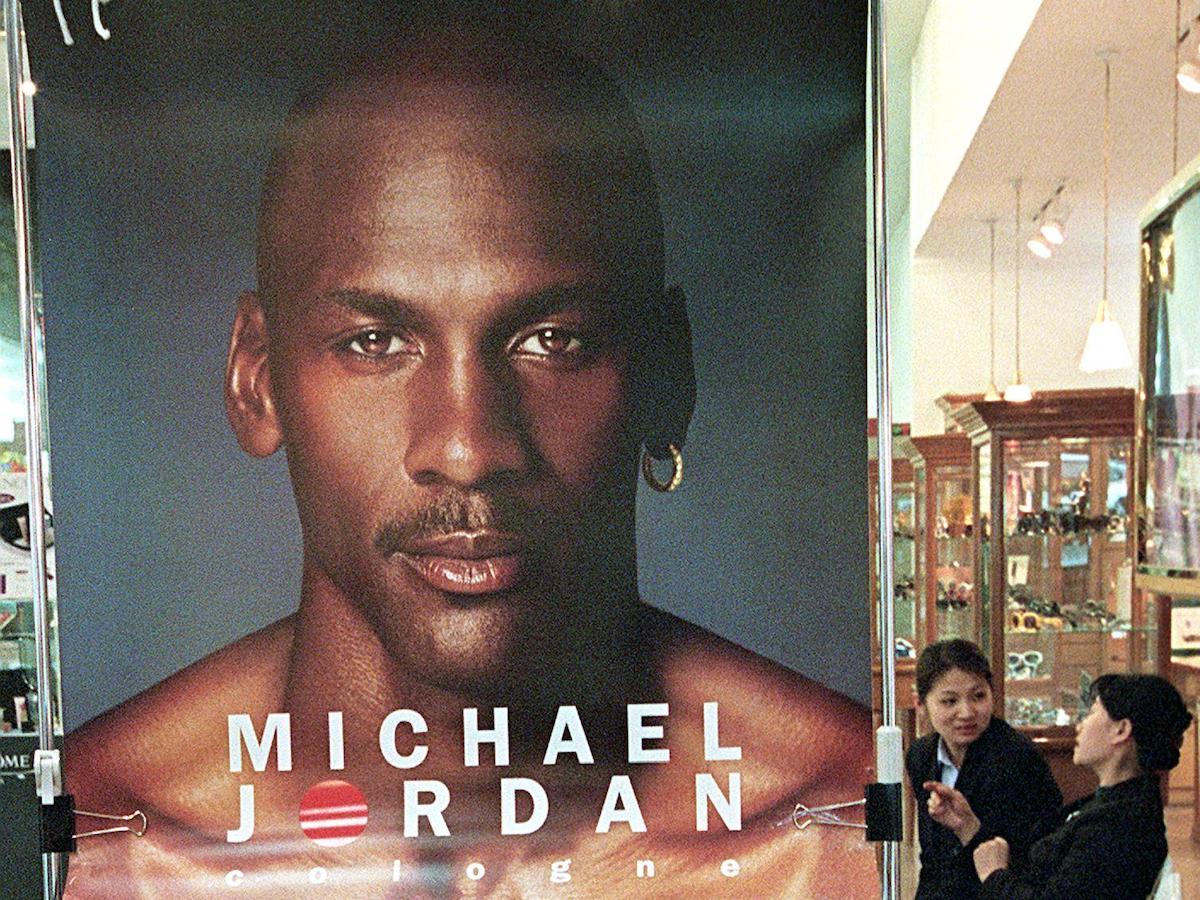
(333, 813)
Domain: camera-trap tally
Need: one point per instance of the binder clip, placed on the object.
(58, 834)
(803, 816)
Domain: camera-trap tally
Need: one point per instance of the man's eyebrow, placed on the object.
(376, 304)
(592, 297)
(397, 308)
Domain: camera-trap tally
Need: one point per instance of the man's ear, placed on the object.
(248, 400)
(669, 376)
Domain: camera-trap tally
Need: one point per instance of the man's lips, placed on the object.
(476, 562)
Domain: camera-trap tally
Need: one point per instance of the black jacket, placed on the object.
(1110, 846)
(1010, 789)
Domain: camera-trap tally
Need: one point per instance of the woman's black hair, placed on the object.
(1155, 710)
(939, 658)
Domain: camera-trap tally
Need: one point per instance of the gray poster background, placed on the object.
(172, 543)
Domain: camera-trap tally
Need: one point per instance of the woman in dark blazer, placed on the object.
(997, 769)
(1109, 846)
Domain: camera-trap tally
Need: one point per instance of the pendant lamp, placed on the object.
(1018, 391)
(1105, 348)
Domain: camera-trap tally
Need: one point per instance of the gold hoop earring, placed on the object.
(676, 479)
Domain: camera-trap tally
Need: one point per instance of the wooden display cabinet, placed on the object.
(904, 547)
(1053, 557)
(944, 525)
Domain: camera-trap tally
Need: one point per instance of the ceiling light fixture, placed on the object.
(1105, 348)
(1018, 391)
(1052, 231)
(1188, 77)
(1187, 74)
(1039, 247)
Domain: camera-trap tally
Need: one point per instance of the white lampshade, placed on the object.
(1105, 348)
(1018, 392)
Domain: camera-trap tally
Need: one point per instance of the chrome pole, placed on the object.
(890, 881)
(31, 343)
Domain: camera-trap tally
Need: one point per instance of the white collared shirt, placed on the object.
(949, 769)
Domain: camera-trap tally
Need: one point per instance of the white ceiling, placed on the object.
(1045, 123)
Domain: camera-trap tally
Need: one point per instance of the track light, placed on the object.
(1039, 247)
(1052, 231)
(1188, 77)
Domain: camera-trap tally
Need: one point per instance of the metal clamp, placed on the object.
(136, 815)
(803, 816)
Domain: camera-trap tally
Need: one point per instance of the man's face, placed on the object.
(446, 357)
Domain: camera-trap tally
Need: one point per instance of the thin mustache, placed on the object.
(454, 512)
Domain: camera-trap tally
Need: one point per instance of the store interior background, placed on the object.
(982, 93)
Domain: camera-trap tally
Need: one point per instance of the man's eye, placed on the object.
(549, 341)
(375, 343)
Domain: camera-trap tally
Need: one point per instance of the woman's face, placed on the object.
(959, 706)
(1094, 736)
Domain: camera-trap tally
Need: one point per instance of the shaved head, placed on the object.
(508, 111)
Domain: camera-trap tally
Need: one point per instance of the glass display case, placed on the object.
(944, 570)
(1168, 415)
(23, 720)
(1054, 552)
(904, 562)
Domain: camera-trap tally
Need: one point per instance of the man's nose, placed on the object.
(466, 423)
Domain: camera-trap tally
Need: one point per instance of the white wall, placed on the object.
(950, 324)
(965, 48)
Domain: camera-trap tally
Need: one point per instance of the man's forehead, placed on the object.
(437, 165)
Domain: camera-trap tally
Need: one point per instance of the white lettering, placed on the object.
(476, 871)
(473, 735)
(234, 878)
(645, 868)
(337, 743)
(620, 790)
(639, 732)
(567, 720)
(317, 875)
(241, 730)
(508, 806)
(246, 827)
(414, 808)
(712, 741)
(560, 871)
(728, 808)
(387, 739)
(730, 868)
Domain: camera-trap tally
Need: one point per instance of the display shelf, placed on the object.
(1052, 480)
(944, 525)
(19, 706)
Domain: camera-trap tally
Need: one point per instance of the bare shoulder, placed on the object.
(802, 737)
(169, 735)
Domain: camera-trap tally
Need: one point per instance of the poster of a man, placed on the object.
(463, 340)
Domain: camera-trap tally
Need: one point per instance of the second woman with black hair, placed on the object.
(1000, 772)
(1109, 846)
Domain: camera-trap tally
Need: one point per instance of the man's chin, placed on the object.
(477, 647)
